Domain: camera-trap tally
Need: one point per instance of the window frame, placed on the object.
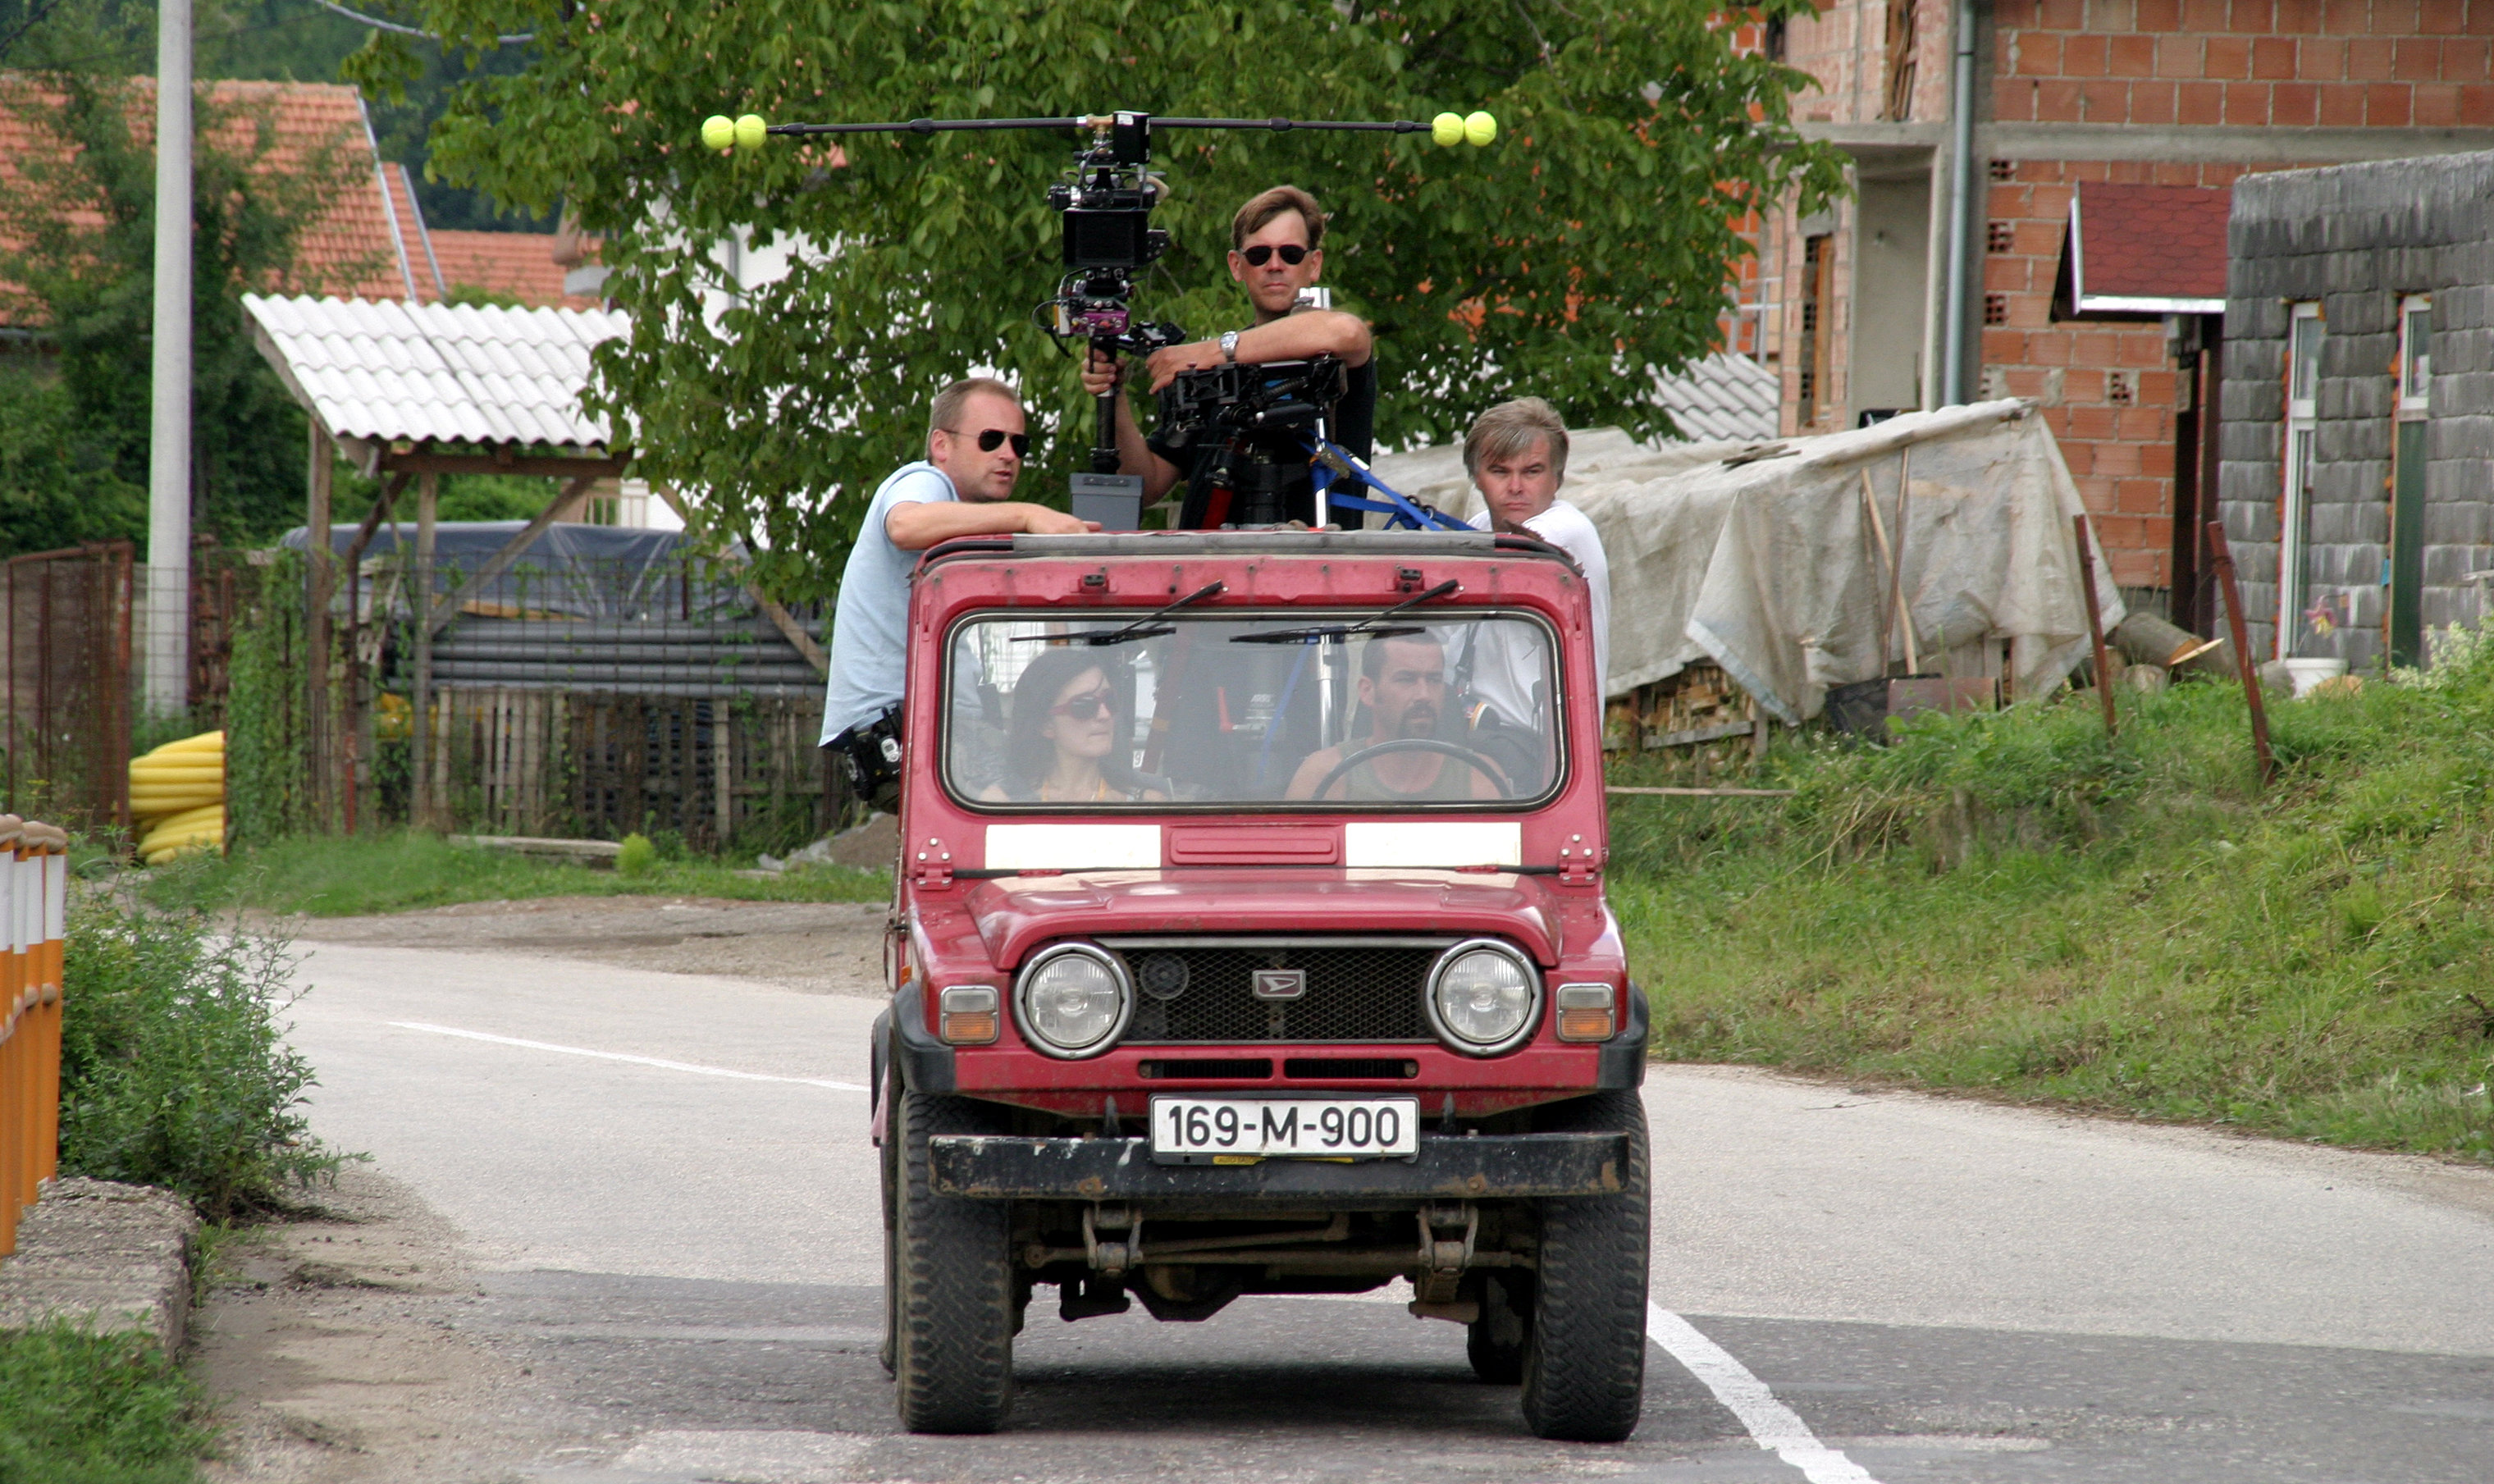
(1553, 789)
(2295, 472)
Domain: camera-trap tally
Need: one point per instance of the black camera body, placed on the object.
(1262, 417)
(1106, 206)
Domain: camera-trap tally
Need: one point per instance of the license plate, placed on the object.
(1215, 1130)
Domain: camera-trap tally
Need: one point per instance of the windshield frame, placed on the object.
(1284, 616)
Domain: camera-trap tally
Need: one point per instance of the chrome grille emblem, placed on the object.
(1281, 983)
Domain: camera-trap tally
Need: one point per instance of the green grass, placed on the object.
(2008, 905)
(402, 871)
(79, 1409)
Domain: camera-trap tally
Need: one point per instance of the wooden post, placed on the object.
(724, 803)
(320, 583)
(2095, 622)
(2223, 561)
(422, 765)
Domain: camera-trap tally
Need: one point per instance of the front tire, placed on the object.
(1584, 1356)
(953, 1304)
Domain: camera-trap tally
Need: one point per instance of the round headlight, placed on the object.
(1074, 1001)
(1481, 998)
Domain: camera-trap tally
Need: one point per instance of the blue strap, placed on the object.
(1399, 511)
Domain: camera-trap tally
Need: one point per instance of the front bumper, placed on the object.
(1482, 1167)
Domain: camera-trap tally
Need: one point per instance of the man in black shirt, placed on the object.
(1276, 250)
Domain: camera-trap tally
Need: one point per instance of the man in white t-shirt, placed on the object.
(975, 447)
(1516, 454)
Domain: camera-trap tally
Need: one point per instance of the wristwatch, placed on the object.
(1230, 348)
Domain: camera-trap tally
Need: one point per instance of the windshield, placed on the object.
(1298, 707)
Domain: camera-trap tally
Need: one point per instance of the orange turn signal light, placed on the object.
(966, 1015)
(1588, 1012)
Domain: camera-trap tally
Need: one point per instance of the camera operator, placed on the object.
(1276, 251)
(975, 446)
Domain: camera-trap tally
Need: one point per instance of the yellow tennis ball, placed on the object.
(1448, 129)
(718, 130)
(1481, 129)
(748, 130)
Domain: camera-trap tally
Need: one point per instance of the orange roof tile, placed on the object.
(361, 246)
(520, 264)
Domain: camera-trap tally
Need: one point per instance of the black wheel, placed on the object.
(954, 1293)
(1584, 1354)
(1495, 1342)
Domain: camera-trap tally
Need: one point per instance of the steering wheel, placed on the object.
(1485, 767)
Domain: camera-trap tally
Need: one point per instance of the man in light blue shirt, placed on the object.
(975, 446)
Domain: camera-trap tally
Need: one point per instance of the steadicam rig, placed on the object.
(1105, 201)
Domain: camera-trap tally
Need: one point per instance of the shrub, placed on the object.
(82, 1409)
(639, 857)
(173, 1067)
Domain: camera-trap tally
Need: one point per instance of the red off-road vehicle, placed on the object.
(1250, 939)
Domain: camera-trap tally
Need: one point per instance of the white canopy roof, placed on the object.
(449, 373)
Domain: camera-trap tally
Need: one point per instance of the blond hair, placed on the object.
(948, 402)
(1510, 428)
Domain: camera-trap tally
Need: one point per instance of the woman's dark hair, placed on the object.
(1029, 753)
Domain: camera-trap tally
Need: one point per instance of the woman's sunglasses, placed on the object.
(995, 439)
(1083, 708)
(1262, 252)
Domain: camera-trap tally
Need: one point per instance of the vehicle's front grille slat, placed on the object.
(1354, 993)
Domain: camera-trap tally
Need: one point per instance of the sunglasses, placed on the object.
(1262, 253)
(1086, 707)
(995, 439)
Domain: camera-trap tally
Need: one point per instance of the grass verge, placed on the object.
(2010, 905)
(396, 872)
(81, 1408)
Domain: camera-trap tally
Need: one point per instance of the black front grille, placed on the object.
(1162, 1069)
(1348, 1068)
(1354, 993)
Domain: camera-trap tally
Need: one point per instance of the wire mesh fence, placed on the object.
(65, 712)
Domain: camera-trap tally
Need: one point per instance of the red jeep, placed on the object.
(1249, 938)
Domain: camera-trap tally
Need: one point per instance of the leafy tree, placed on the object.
(1585, 250)
(82, 222)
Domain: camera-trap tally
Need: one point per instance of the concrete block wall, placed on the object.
(2357, 239)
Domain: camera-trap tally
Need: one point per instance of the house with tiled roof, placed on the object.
(372, 243)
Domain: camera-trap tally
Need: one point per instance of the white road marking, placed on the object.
(1778, 1428)
(617, 1056)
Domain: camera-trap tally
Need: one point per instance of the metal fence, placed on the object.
(65, 699)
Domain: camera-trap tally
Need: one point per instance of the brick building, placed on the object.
(2077, 285)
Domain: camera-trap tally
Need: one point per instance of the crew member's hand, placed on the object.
(1101, 371)
(1166, 364)
(1045, 522)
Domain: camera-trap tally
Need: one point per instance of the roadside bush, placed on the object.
(82, 1409)
(173, 1067)
(637, 856)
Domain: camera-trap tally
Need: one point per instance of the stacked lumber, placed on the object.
(177, 795)
(1699, 704)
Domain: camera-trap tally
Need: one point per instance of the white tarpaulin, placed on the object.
(1772, 568)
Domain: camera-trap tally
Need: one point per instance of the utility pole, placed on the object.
(167, 659)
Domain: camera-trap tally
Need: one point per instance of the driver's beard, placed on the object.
(1420, 719)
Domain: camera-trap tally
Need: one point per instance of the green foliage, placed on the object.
(1585, 250)
(83, 1408)
(175, 1070)
(402, 871)
(82, 232)
(636, 856)
(267, 747)
(2007, 904)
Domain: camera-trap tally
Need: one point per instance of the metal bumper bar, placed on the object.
(1485, 1168)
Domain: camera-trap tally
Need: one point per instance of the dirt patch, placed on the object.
(819, 947)
(337, 1348)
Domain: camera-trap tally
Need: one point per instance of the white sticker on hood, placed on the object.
(1445, 844)
(1074, 847)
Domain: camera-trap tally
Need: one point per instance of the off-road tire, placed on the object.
(1495, 1342)
(1584, 1358)
(955, 1284)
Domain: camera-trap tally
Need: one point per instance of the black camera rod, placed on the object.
(1100, 121)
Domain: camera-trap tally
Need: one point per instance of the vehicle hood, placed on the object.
(1014, 915)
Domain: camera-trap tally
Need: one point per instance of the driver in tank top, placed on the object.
(1403, 683)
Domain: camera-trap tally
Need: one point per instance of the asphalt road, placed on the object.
(665, 1183)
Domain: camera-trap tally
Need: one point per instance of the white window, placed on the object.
(2416, 356)
(2302, 388)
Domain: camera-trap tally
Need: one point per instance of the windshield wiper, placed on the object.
(1372, 628)
(1142, 628)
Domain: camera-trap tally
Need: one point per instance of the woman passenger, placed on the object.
(1065, 745)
